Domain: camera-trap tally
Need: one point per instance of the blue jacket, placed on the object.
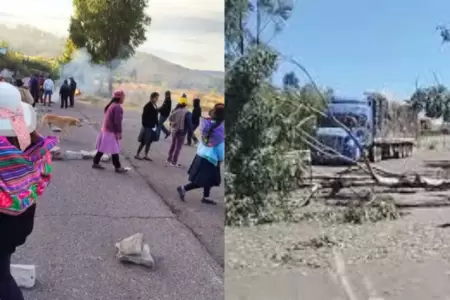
(214, 155)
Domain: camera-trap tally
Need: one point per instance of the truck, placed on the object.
(381, 128)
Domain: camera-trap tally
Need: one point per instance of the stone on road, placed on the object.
(133, 250)
(25, 275)
(85, 212)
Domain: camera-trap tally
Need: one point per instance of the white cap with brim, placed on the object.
(10, 99)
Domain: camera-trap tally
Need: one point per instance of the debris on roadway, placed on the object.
(58, 154)
(133, 250)
(24, 275)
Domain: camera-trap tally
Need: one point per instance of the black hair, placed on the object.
(154, 95)
(13, 140)
(113, 100)
(167, 94)
(219, 117)
(19, 82)
(196, 102)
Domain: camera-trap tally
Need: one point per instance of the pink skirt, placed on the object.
(107, 143)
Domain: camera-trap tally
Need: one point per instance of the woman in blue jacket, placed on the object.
(205, 168)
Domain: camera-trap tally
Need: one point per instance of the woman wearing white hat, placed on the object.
(25, 171)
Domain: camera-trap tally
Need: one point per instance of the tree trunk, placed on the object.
(258, 22)
(241, 29)
(110, 80)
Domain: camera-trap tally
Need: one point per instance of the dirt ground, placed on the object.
(319, 257)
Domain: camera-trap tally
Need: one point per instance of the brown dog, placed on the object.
(63, 122)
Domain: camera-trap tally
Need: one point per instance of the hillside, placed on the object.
(149, 68)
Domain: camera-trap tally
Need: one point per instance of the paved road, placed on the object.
(418, 281)
(205, 221)
(85, 211)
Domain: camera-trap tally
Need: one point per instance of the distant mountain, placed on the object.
(148, 68)
(31, 41)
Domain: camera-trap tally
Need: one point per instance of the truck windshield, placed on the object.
(349, 120)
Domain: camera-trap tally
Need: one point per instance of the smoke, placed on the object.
(92, 79)
(5, 73)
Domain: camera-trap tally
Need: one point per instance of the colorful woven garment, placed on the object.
(217, 135)
(25, 175)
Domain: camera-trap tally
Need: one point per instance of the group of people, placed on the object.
(183, 124)
(204, 171)
(42, 89)
(26, 165)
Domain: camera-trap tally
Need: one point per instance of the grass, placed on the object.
(138, 95)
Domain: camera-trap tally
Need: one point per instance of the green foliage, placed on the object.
(24, 65)
(265, 123)
(69, 50)
(262, 136)
(433, 100)
(109, 30)
(290, 80)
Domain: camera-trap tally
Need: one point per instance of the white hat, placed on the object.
(11, 100)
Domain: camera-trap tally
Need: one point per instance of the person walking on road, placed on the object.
(25, 171)
(41, 80)
(111, 133)
(33, 86)
(205, 168)
(196, 115)
(149, 129)
(64, 94)
(24, 92)
(49, 85)
(180, 124)
(73, 89)
(164, 113)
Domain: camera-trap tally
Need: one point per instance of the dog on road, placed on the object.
(63, 122)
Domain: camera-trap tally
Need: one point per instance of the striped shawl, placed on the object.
(25, 175)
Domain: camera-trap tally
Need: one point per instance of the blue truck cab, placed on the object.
(357, 115)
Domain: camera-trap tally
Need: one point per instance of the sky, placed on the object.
(360, 45)
(186, 32)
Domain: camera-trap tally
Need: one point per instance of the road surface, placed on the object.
(205, 221)
(388, 260)
(85, 211)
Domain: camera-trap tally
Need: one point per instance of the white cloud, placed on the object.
(187, 32)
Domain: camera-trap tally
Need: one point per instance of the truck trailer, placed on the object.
(383, 129)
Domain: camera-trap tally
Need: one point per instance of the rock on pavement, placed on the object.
(133, 250)
(25, 275)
